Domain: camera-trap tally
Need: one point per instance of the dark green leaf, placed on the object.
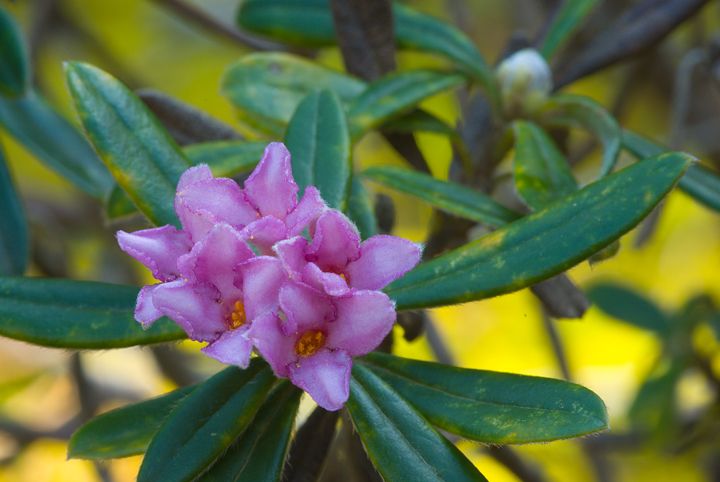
(506, 408)
(259, 452)
(55, 142)
(584, 112)
(628, 306)
(360, 209)
(319, 143)
(266, 88)
(542, 174)
(394, 94)
(140, 153)
(205, 423)
(14, 243)
(62, 313)
(545, 243)
(699, 182)
(571, 14)
(418, 120)
(14, 61)
(654, 405)
(400, 442)
(448, 196)
(124, 431)
(118, 204)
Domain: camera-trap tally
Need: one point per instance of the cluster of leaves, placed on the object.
(238, 424)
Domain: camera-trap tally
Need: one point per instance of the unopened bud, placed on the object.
(525, 82)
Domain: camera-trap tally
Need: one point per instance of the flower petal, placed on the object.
(192, 306)
(330, 283)
(194, 174)
(325, 376)
(232, 348)
(277, 349)
(213, 259)
(382, 260)
(264, 233)
(292, 254)
(271, 188)
(363, 321)
(145, 311)
(261, 279)
(308, 210)
(305, 308)
(336, 242)
(158, 249)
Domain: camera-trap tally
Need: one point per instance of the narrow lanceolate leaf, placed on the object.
(570, 16)
(61, 313)
(448, 196)
(699, 182)
(588, 114)
(259, 452)
(396, 93)
(14, 61)
(506, 408)
(139, 152)
(319, 143)
(124, 431)
(400, 442)
(266, 88)
(14, 243)
(628, 306)
(360, 209)
(545, 243)
(205, 423)
(542, 174)
(307, 23)
(56, 143)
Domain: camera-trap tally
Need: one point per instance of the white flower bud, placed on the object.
(525, 82)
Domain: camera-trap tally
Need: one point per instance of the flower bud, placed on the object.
(525, 82)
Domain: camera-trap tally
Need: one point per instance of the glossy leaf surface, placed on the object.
(62, 313)
(14, 242)
(319, 143)
(448, 196)
(566, 21)
(506, 408)
(360, 209)
(259, 452)
(137, 149)
(124, 431)
(400, 442)
(628, 306)
(545, 243)
(205, 423)
(14, 61)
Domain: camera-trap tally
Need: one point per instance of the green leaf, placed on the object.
(584, 112)
(55, 142)
(124, 431)
(699, 182)
(400, 442)
(319, 143)
(266, 88)
(545, 243)
(654, 405)
(118, 204)
(395, 93)
(360, 209)
(14, 243)
(205, 423)
(62, 313)
(259, 452)
(571, 14)
(14, 61)
(506, 408)
(629, 306)
(542, 174)
(448, 196)
(140, 153)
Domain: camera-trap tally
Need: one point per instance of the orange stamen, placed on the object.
(309, 343)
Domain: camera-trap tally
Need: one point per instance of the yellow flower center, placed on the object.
(309, 343)
(237, 317)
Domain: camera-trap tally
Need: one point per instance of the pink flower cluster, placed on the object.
(240, 274)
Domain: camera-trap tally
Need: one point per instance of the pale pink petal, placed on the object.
(271, 188)
(382, 259)
(232, 348)
(195, 307)
(330, 283)
(145, 311)
(261, 279)
(157, 248)
(335, 244)
(308, 210)
(363, 321)
(305, 308)
(194, 174)
(264, 233)
(325, 376)
(292, 254)
(275, 347)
